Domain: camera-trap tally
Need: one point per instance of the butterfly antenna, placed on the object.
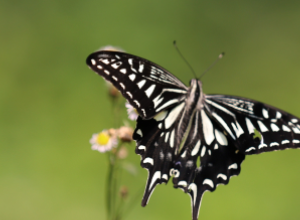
(213, 64)
(184, 59)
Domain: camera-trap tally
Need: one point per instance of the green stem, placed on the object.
(114, 187)
(109, 187)
(132, 203)
(109, 174)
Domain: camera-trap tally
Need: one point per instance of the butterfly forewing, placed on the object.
(255, 127)
(146, 86)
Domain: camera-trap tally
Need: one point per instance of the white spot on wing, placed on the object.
(250, 126)
(278, 115)
(129, 94)
(274, 144)
(115, 78)
(99, 67)
(116, 65)
(171, 118)
(167, 136)
(157, 175)
(296, 141)
(203, 151)
(124, 71)
(207, 128)
(137, 103)
(193, 187)
(262, 127)
(144, 112)
(141, 67)
(208, 182)
(294, 120)
(165, 176)
(224, 177)
(105, 61)
(196, 148)
(262, 146)
(233, 166)
(296, 130)
(148, 160)
(107, 72)
(221, 138)
(285, 128)
(182, 183)
(285, 142)
(184, 154)
(150, 90)
(122, 85)
(142, 147)
(160, 116)
(141, 83)
(274, 127)
(250, 149)
(172, 138)
(265, 113)
(139, 132)
(132, 77)
(93, 62)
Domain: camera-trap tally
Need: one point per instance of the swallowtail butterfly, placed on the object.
(200, 140)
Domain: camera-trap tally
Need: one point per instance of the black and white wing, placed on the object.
(147, 87)
(254, 126)
(159, 98)
(207, 158)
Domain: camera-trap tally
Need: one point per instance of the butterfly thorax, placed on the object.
(193, 103)
(195, 96)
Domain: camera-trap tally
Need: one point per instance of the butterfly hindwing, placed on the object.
(208, 158)
(255, 127)
(157, 140)
(146, 86)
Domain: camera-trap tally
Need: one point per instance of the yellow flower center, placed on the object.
(103, 138)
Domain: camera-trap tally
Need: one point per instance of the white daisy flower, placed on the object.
(132, 112)
(103, 141)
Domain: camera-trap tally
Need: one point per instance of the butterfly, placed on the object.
(198, 140)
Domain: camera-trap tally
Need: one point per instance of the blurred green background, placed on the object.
(51, 103)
